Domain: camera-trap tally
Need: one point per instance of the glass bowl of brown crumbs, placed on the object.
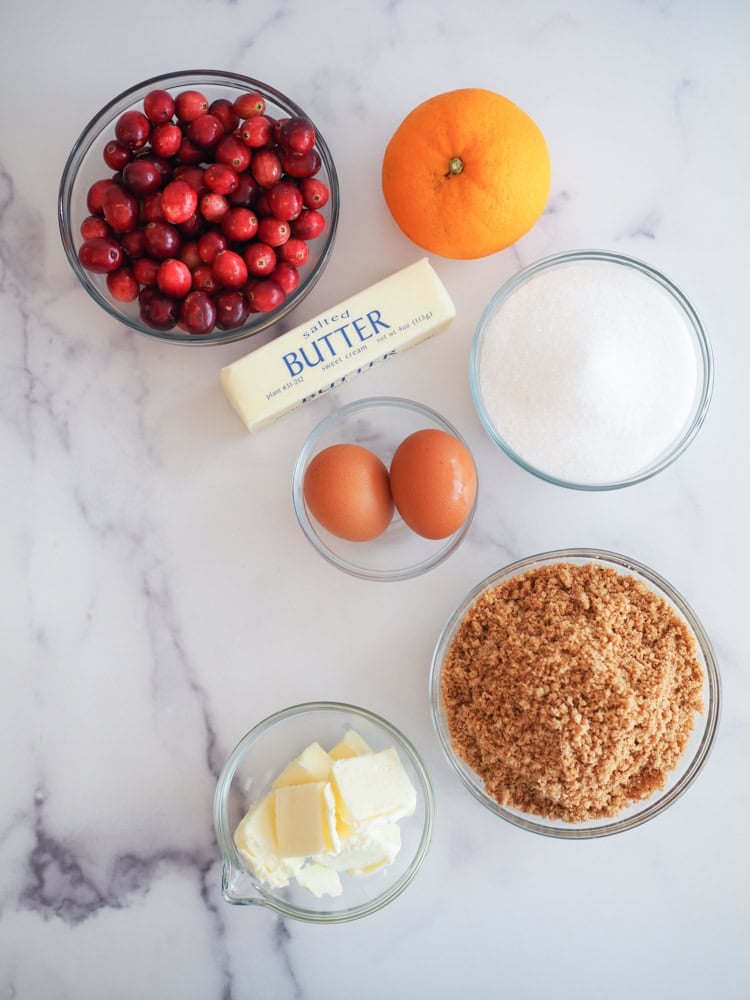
(575, 693)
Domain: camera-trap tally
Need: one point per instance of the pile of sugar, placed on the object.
(588, 372)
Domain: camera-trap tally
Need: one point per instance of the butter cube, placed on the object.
(320, 881)
(255, 839)
(365, 852)
(313, 764)
(350, 745)
(373, 788)
(305, 818)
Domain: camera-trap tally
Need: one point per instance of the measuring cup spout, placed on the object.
(238, 888)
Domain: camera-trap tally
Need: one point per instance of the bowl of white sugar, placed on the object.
(591, 370)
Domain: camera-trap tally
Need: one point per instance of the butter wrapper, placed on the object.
(336, 345)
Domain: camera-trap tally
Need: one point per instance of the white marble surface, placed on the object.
(158, 598)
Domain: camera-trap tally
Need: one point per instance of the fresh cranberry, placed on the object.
(166, 139)
(229, 269)
(266, 296)
(233, 152)
(151, 208)
(285, 200)
(245, 193)
(192, 175)
(179, 200)
(256, 132)
(220, 178)
(294, 251)
(297, 135)
(189, 104)
(231, 310)
(189, 153)
(315, 194)
(159, 106)
(120, 209)
(301, 165)
(116, 154)
(161, 240)
(122, 285)
(273, 231)
(133, 129)
(266, 167)
(249, 105)
(133, 243)
(205, 131)
(213, 207)
(209, 245)
(190, 254)
(286, 275)
(240, 224)
(145, 270)
(93, 226)
(193, 227)
(308, 224)
(278, 125)
(95, 195)
(260, 259)
(157, 309)
(198, 313)
(142, 177)
(224, 111)
(204, 280)
(101, 255)
(174, 278)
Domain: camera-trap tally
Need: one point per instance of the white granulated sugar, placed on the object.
(588, 372)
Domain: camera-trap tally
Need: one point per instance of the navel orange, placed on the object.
(466, 174)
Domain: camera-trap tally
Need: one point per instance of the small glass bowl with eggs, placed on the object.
(385, 488)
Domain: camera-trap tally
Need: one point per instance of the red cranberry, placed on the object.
(204, 280)
(285, 200)
(226, 114)
(209, 245)
(308, 224)
(116, 154)
(240, 224)
(233, 152)
(198, 313)
(192, 228)
(151, 208)
(231, 310)
(120, 209)
(159, 106)
(273, 231)
(190, 255)
(260, 259)
(166, 139)
(95, 196)
(220, 178)
(249, 105)
(205, 131)
(93, 226)
(266, 296)
(315, 194)
(101, 255)
(245, 193)
(122, 285)
(174, 278)
(161, 240)
(189, 104)
(145, 270)
(286, 275)
(213, 207)
(256, 132)
(133, 129)
(142, 177)
(301, 165)
(278, 125)
(229, 269)
(179, 200)
(193, 176)
(266, 167)
(297, 135)
(294, 251)
(157, 309)
(189, 153)
(133, 243)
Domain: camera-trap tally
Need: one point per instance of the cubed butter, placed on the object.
(373, 788)
(350, 745)
(313, 764)
(334, 346)
(365, 852)
(305, 818)
(255, 839)
(319, 880)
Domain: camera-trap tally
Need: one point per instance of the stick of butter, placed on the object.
(372, 326)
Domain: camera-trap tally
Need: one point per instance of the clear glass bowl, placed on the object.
(85, 165)
(692, 760)
(379, 423)
(247, 775)
(656, 281)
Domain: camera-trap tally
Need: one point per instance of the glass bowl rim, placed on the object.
(226, 843)
(300, 508)
(698, 332)
(88, 137)
(663, 799)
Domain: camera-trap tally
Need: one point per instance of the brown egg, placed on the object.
(433, 482)
(346, 489)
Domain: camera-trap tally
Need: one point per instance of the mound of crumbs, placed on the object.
(571, 691)
(328, 812)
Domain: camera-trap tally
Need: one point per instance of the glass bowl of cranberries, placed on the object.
(199, 207)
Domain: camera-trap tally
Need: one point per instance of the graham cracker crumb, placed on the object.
(571, 691)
